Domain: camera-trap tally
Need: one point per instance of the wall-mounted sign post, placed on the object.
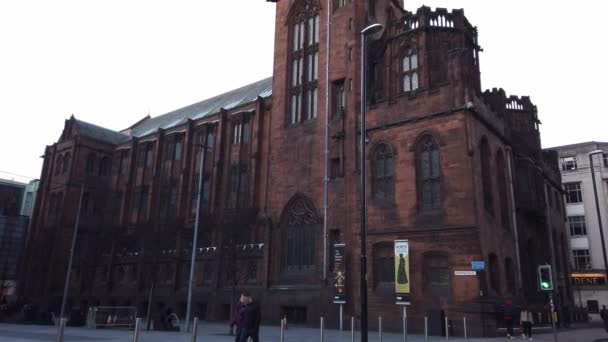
(339, 279)
(402, 279)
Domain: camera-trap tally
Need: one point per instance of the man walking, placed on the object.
(508, 317)
(251, 320)
(604, 316)
(526, 319)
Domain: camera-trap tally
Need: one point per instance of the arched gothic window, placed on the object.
(300, 221)
(428, 169)
(409, 71)
(383, 172)
(304, 61)
(501, 183)
(484, 153)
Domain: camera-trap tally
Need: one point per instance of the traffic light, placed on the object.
(545, 278)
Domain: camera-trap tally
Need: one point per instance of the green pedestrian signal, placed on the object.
(545, 278)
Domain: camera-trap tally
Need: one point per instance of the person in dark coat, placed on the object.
(251, 320)
(237, 316)
(508, 314)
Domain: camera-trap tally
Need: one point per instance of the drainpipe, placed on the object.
(326, 157)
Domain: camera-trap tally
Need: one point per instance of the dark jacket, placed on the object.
(237, 315)
(252, 317)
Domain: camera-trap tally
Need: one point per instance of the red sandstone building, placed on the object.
(457, 171)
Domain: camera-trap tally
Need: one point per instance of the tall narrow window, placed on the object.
(66, 163)
(245, 134)
(338, 98)
(429, 175)
(486, 178)
(304, 63)
(210, 139)
(122, 163)
(90, 166)
(300, 220)
(409, 71)
(104, 166)
(383, 173)
(501, 182)
(384, 266)
(58, 165)
(149, 155)
(174, 148)
(236, 132)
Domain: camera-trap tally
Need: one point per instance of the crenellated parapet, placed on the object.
(440, 18)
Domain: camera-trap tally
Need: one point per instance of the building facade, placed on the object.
(455, 170)
(587, 258)
(16, 206)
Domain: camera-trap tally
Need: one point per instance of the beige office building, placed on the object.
(587, 256)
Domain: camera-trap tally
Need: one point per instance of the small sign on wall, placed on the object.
(339, 274)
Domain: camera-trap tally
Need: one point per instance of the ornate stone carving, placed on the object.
(300, 213)
(305, 9)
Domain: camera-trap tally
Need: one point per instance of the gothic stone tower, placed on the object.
(438, 156)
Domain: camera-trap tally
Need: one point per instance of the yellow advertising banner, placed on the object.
(402, 267)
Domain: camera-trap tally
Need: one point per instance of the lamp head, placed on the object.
(371, 29)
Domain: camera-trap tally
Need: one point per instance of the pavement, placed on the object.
(217, 332)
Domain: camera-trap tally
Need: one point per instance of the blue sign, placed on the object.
(478, 265)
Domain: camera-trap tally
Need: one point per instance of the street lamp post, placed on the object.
(195, 238)
(371, 29)
(66, 286)
(597, 208)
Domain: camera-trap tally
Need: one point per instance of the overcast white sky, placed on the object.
(112, 62)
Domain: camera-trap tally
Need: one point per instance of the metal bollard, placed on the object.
(447, 331)
(282, 329)
(464, 323)
(62, 323)
(195, 329)
(136, 332)
(322, 325)
(404, 323)
(352, 329)
(380, 328)
(426, 328)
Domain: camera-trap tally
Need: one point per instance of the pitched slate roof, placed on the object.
(231, 99)
(101, 133)
(234, 98)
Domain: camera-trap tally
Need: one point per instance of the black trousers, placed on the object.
(509, 324)
(527, 328)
